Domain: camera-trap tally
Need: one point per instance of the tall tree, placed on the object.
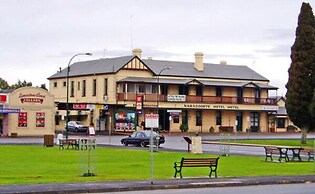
(300, 88)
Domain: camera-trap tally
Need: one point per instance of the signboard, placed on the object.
(176, 98)
(9, 110)
(3, 98)
(32, 98)
(79, 106)
(139, 102)
(271, 108)
(152, 120)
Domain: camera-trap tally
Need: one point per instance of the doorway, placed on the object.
(164, 121)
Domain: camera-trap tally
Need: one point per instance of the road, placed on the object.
(176, 142)
(306, 188)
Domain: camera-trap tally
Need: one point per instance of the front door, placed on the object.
(239, 121)
(254, 120)
(164, 121)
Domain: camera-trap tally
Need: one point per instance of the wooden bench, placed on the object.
(74, 143)
(212, 163)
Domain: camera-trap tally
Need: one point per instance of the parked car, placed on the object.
(77, 126)
(142, 138)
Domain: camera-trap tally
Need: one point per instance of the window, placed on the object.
(183, 90)
(94, 87)
(64, 84)
(131, 88)
(55, 84)
(78, 86)
(141, 88)
(72, 89)
(218, 91)
(22, 119)
(40, 119)
(198, 118)
(280, 122)
(218, 118)
(84, 88)
(199, 91)
(105, 87)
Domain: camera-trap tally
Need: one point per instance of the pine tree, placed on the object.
(300, 87)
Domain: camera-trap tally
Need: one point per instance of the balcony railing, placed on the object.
(199, 99)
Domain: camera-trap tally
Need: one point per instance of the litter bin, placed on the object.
(49, 140)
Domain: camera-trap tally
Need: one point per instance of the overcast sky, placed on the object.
(39, 36)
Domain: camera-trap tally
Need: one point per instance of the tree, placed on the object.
(20, 84)
(3, 84)
(300, 87)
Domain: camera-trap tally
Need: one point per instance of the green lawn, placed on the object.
(38, 164)
(277, 142)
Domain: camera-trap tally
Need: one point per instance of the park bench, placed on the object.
(309, 152)
(74, 143)
(212, 163)
(226, 129)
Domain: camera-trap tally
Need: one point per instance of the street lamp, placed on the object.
(67, 103)
(158, 89)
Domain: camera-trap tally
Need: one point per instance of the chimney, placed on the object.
(137, 52)
(223, 62)
(199, 61)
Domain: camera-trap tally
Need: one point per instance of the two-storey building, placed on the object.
(116, 93)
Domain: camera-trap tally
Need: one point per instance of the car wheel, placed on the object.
(125, 143)
(142, 144)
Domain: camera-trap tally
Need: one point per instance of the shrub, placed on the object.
(184, 127)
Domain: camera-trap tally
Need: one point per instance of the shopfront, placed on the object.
(29, 111)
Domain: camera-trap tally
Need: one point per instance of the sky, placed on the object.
(37, 37)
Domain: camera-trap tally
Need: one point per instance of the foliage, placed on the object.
(3, 84)
(30, 164)
(184, 127)
(300, 86)
(20, 84)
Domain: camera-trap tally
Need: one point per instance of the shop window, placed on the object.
(84, 88)
(280, 122)
(40, 119)
(198, 118)
(218, 118)
(94, 87)
(57, 118)
(22, 119)
(55, 84)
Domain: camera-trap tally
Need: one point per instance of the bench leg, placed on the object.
(178, 171)
(213, 169)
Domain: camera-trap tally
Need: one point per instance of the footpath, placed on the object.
(116, 186)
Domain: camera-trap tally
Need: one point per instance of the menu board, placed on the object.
(40, 119)
(22, 120)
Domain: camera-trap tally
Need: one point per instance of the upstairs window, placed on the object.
(94, 87)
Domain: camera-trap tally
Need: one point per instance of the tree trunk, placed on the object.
(304, 135)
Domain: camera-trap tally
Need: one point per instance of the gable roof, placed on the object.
(100, 66)
(178, 69)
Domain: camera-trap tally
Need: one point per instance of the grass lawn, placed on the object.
(23, 164)
(277, 142)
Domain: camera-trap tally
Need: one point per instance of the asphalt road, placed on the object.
(306, 188)
(176, 142)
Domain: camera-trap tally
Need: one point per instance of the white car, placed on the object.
(77, 126)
